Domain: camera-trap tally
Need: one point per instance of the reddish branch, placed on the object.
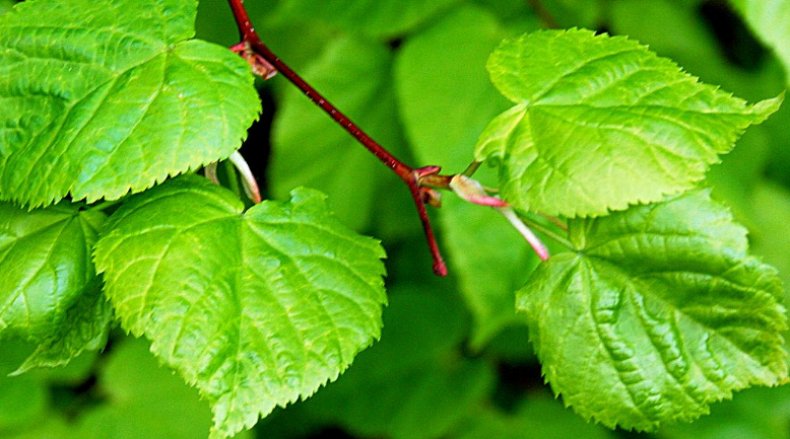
(419, 180)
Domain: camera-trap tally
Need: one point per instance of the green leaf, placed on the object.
(121, 99)
(695, 46)
(770, 213)
(514, 14)
(76, 372)
(379, 18)
(255, 309)
(23, 399)
(310, 149)
(770, 21)
(659, 312)
(50, 294)
(570, 13)
(49, 283)
(49, 426)
(601, 122)
(85, 326)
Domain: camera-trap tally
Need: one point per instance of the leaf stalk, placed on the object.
(548, 232)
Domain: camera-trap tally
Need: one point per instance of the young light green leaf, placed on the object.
(309, 148)
(770, 21)
(601, 122)
(379, 18)
(121, 99)
(658, 313)
(48, 279)
(255, 309)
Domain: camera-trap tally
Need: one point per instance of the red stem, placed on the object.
(412, 177)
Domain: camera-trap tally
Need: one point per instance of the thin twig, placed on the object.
(472, 168)
(248, 180)
(526, 232)
(210, 172)
(411, 177)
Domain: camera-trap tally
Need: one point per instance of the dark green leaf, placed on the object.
(23, 400)
(5, 6)
(444, 96)
(143, 400)
(49, 291)
(537, 417)
(754, 413)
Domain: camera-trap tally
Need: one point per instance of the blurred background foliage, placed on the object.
(454, 359)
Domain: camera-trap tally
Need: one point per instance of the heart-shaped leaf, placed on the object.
(658, 313)
(255, 308)
(601, 122)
